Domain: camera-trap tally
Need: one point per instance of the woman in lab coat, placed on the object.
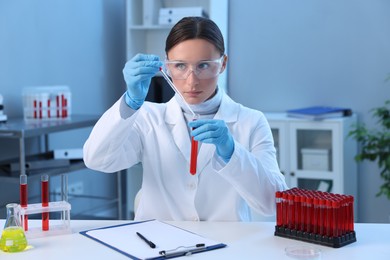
(236, 168)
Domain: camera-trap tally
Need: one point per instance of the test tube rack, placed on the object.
(57, 226)
(317, 217)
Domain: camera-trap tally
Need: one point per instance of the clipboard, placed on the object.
(170, 240)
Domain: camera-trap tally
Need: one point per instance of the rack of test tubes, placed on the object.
(48, 226)
(316, 217)
(49, 103)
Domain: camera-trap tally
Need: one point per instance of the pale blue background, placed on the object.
(283, 54)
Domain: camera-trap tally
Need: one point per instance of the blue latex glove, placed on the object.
(138, 73)
(215, 132)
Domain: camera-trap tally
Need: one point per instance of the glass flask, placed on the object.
(13, 238)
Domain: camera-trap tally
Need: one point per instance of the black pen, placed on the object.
(150, 243)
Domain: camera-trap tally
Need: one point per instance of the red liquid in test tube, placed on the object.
(35, 109)
(58, 105)
(194, 156)
(297, 211)
(285, 209)
(45, 201)
(303, 213)
(24, 198)
(194, 153)
(335, 217)
(309, 215)
(279, 209)
(351, 219)
(291, 212)
(48, 108)
(329, 218)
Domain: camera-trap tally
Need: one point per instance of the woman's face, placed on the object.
(190, 54)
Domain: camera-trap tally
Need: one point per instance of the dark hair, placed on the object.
(195, 28)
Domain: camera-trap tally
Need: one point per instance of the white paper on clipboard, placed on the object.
(123, 238)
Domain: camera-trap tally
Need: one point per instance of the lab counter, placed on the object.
(244, 240)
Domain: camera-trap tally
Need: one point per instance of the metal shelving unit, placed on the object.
(20, 130)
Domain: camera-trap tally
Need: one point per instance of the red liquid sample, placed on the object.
(194, 156)
(23, 203)
(45, 203)
(279, 209)
(291, 212)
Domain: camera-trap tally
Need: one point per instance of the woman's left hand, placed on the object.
(213, 131)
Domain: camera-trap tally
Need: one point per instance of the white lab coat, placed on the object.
(157, 136)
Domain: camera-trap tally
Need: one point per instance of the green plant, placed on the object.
(375, 144)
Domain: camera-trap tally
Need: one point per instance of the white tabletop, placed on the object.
(245, 240)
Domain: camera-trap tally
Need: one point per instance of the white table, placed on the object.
(245, 240)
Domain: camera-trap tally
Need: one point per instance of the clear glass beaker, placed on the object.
(13, 238)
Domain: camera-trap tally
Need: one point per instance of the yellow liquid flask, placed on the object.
(13, 238)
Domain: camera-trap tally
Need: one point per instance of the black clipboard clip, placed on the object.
(183, 251)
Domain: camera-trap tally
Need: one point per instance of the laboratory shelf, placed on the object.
(20, 129)
(74, 165)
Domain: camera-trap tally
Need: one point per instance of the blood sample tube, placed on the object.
(45, 201)
(291, 212)
(351, 215)
(303, 213)
(297, 211)
(285, 209)
(335, 215)
(309, 214)
(24, 198)
(343, 215)
(329, 217)
(194, 156)
(315, 217)
(279, 208)
(322, 217)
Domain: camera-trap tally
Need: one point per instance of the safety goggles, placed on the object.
(205, 69)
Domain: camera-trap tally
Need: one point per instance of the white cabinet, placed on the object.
(145, 35)
(316, 155)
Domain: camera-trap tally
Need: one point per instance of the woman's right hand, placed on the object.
(138, 73)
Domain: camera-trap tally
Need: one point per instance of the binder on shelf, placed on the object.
(169, 241)
(183, 11)
(174, 14)
(319, 112)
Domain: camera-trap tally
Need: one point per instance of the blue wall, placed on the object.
(283, 54)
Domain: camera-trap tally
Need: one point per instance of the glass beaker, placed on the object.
(13, 238)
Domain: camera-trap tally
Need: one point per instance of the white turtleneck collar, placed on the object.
(206, 109)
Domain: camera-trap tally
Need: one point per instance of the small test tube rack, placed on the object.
(57, 226)
(46, 103)
(61, 226)
(314, 216)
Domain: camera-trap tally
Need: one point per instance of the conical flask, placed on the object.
(13, 238)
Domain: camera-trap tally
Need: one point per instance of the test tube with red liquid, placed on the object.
(194, 156)
(45, 201)
(24, 198)
(279, 208)
(194, 153)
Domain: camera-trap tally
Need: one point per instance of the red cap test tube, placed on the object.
(45, 201)
(24, 198)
